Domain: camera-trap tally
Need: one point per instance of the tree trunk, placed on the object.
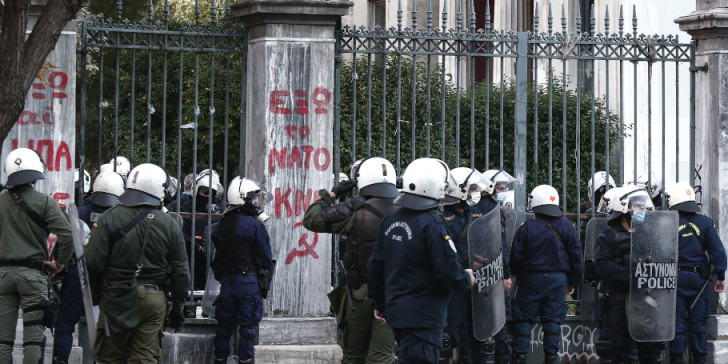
(21, 59)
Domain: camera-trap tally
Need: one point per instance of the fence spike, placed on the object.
(634, 19)
(197, 12)
(621, 20)
(578, 17)
(459, 15)
(563, 18)
(213, 12)
(119, 6)
(606, 21)
(592, 22)
(535, 19)
(551, 19)
(472, 16)
(487, 17)
(429, 16)
(414, 15)
(150, 11)
(444, 17)
(399, 15)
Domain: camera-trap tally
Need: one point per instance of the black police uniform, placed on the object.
(410, 276)
(611, 261)
(458, 332)
(698, 241)
(545, 259)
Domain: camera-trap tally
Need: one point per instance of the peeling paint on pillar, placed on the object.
(289, 142)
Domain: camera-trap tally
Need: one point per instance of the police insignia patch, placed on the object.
(452, 246)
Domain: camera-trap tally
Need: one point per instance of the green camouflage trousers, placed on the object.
(24, 288)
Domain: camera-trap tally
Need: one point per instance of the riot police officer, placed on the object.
(414, 265)
(107, 188)
(26, 218)
(701, 257)
(611, 261)
(364, 339)
(85, 185)
(499, 186)
(127, 258)
(547, 260)
(458, 216)
(242, 255)
(205, 202)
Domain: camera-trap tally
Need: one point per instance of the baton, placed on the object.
(695, 301)
(514, 291)
(349, 291)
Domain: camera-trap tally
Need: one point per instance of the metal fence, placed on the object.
(164, 90)
(501, 99)
(549, 105)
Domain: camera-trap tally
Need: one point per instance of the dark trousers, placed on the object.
(540, 295)
(688, 286)
(70, 310)
(459, 321)
(418, 345)
(616, 332)
(239, 304)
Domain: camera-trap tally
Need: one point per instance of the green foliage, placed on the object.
(478, 125)
(210, 82)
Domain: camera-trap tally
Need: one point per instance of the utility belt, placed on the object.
(32, 264)
(704, 269)
(689, 269)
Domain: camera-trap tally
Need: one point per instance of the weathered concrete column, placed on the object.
(708, 25)
(290, 103)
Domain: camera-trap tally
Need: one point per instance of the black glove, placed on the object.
(175, 320)
(343, 188)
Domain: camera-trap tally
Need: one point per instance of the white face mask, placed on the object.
(500, 197)
(474, 199)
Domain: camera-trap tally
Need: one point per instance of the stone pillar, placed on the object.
(708, 26)
(290, 103)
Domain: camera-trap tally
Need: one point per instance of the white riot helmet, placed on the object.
(544, 200)
(203, 180)
(424, 183)
(243, 192)
(23, 166)
(108, 186)
(375, 177)
(145, 185)
(342, 177)
(499, 178)
(652, 185)
(681, 197)
(630, 197)
(608, 198)
(86, 179)
(123, 166)
(597, 185)
(106, 167)
(467, 182)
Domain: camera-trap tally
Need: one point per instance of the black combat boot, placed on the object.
(220, 361)
(518, 358)
(551, 359)
(698, 358)
(58, 360)
(248, 361)
(676, 358)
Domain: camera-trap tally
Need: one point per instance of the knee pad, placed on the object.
(486, 347)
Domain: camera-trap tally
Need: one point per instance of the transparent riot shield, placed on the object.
(486, 260)
(653, 285)
(510, 215)
(594, 227)
(79, 241)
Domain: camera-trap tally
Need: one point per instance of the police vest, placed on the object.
(232, 253)
(623, 243)
(363, 237)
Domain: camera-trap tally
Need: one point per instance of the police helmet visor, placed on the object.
(503, 181)
(205, 190)
(639, 200)
(104, 199)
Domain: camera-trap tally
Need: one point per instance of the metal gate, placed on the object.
(161, 89)
(551, 105)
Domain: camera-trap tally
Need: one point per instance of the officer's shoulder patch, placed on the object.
(451, 243)
(477, 214)
(449, 218)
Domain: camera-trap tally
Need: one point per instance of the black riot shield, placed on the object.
(486, 260)
(653, 285)
(510, 216)
(79, 241)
